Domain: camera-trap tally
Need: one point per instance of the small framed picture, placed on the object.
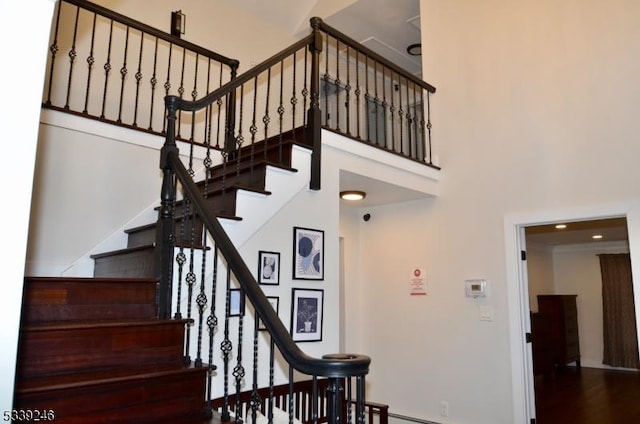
(236, 303)
(306, 315)
(275, 304)
(308, 254)
(268, 268)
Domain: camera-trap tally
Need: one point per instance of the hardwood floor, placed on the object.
(588, 396)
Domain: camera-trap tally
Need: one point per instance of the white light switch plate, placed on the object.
(486, 313)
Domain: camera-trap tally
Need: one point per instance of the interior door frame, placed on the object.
(518, 291)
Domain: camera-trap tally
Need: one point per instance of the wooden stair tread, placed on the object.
(80, 325)
(91, 280)
(65, 381)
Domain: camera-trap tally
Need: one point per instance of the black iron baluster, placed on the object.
(181, 92)
(305, 88)
(376, 102)
(410, 141)
(107, 71)
(253, 129)
(194, 97)
(73, 53)
(240, 137)
(153, 81)
(167, 82)
(349, 400)
(190, 277)
(123, 75)
(272, 359)
(212, 323)
(219, 103)
(327, 82)
(392, 110)
(266, 119)
(138, 78)
(53, 49)
(357, 93)
(337, 83)
(281, 111)
(201, 299)
(207, 118)
(429, 127)
(226, 348)
(347, 94)
(294, 100)
(360, 399)
(334, 401)
(400, 115)
(385, 127)
(314, 401)
(255, 400)
(367, 97)
(90, 62)
(181, 259)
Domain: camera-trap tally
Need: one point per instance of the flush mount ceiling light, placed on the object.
(415, 49)
(596, 236)
(561, 226)
(353, 195)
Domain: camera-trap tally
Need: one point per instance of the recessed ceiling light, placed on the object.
(596, 236)
(561, 226)
(415, 49)
(353, 195)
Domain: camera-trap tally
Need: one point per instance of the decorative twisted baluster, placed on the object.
(90, 62)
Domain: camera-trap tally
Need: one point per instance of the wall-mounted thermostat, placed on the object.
(475, 288)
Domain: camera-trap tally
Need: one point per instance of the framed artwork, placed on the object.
(236, 303)
(268, 268)
(306, 315)
(308, 254)
(275, 304)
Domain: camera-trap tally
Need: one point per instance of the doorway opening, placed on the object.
(518, 294)
(571, 326)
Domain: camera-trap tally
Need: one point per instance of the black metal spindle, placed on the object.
(384, 105)
(194, 97)
(337, 83)
(201, 299)
(107, 70)
(347, 93)
(181, 91)
(305, 88)
(219, 104)
(410, 141)
(238, 369)
(281, 111)
(266, 119)
(153, 81)
(53, 49)
(123, 76)
(357, 93)
(226, 348)
(73, 53)
(167, 82)
(400, 116)
(90, 62)
(293, 99)
(429, 128)
(367, 96)
(190, 278)
(138, 78)
(392, 110)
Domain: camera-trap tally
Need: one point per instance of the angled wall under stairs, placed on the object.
(243, 195)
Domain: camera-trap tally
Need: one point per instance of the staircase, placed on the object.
(92, 350)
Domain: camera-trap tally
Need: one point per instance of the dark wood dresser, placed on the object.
(563, 314)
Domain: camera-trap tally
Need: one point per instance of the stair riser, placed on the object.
(135, 264)
(156, 399)
(54, 300)
(251, 177)
(60, 351)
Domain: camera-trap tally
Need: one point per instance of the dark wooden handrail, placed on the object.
(332, 366)
(189, 105)
(373, 55)
(233, 63)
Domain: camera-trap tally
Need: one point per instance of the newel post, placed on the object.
(165, 227)
(314, 116)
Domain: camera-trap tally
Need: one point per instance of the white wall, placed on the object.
(22, 93)
(535, 111)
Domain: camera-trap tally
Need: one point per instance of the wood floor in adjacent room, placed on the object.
(588, 396)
